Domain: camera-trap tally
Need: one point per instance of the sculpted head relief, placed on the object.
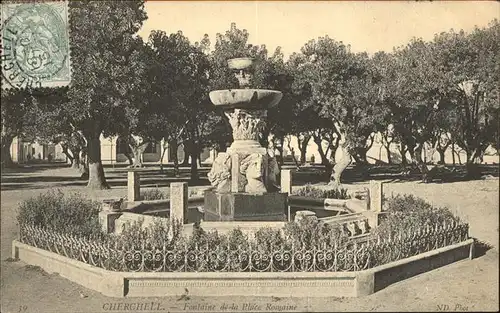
(220, 174)
(253, 168)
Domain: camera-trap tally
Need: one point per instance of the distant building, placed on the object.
(112, 152)
(21, 151)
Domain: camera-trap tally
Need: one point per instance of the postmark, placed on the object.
(35, 45)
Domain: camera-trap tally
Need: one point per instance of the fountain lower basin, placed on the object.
(245, 98)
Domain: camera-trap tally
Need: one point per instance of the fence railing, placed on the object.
(249, 257)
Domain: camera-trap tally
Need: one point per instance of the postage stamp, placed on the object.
(35, 45)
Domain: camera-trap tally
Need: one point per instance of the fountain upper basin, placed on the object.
(245, 98)
(239, 63)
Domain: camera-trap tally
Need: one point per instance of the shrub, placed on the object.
(153, 194)
(206, 239)
(269, 239)
(407, 213)
(158, 234)
(315, 192)
(336, 194)
(311, 233)
(71, 214)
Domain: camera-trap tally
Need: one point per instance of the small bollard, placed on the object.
(133, 186)
(179, 202)
(376, 192)
(286, 181)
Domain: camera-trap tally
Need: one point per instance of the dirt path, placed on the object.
(465, 286)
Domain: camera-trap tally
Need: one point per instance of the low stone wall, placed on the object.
(146, 206)
(117, 221)
(247, 227)
(278, 284)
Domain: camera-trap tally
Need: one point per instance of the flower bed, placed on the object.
(309, 256)
(246, 256)
(318, 193)
(411, 227)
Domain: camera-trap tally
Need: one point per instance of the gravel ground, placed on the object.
(464, 286)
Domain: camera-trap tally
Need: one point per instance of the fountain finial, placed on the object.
(241, 67)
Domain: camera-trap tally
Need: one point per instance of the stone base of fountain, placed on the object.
(239, 206)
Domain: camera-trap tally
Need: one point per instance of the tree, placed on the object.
(342, 87)
(413, 92)
(16, 104)
(105, 72)
(180, 75)
(471, 63)
(32, 115)
(307, 121)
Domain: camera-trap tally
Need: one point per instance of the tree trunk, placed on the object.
(411, 151)
(187, 154)
(289, 144)
(6, 158)
(471, 167)
(65, 151)
(453, 153)
(174, 146)
(194, 167)
(162, 156)
(129, 158)
(402, 151)
(324, 160)
(441, 156)
(76, 158)
(280, 150)
(84, 163)
(76, 161)
(281, 156)
(303, 149)
(334, 145)
(69, 156)
(340, 165)
(388, 152)
(97, 180)
(138, 151)
(417, 159)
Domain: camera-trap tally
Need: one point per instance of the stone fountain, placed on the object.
(244, 178)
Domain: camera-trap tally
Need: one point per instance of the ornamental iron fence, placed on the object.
(109, 254)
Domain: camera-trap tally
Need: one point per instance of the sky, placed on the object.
(366, 26)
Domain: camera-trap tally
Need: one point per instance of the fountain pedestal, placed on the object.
(239, 206)
(245, 177)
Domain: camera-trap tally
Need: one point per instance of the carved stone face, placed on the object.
(255, 169)
(220, 174)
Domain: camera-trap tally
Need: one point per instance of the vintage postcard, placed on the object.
(249, 156)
